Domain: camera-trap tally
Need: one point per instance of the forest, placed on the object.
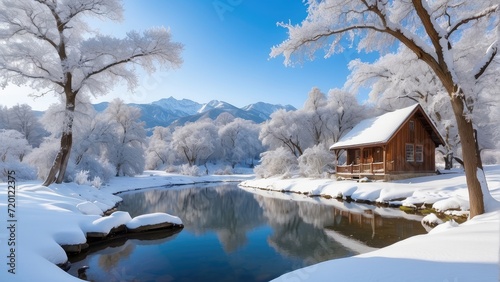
(115, 142)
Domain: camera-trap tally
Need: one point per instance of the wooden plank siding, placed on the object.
(396, 149)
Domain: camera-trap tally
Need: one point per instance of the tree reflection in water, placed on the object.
(261, 235)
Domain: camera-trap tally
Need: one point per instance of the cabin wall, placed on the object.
(396, 158)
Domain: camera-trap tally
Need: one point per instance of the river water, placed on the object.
(234, 234)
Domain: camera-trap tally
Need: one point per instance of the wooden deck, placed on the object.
(360, 170)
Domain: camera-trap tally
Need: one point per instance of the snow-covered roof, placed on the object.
(375, 130)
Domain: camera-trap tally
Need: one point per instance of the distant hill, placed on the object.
(173, 112)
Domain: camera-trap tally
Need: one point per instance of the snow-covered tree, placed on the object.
(315, 161)
(48, 46)
(286, 129)
(13, 145)
(457, 40)
(13, 148)
(159, 152)
(223, 119)
(4, 117)
(126, 153)
(196, 142)
(344, 112)
(23, 119)
(240, 141)
(277, 162)
(93, 134)
(41, 157)
(316, 115)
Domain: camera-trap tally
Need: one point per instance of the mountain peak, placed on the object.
(171, 111)
(216, 104)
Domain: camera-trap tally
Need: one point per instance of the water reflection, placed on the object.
(230, 234)
(222, 210)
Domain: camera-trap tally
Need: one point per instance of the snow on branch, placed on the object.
(375, 23)
(488, 58)
(477, 16)
(108, 56)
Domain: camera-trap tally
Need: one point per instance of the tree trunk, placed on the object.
(56, 173)
(471, 159)
(448, 161)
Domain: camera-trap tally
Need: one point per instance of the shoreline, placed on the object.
(61, 214)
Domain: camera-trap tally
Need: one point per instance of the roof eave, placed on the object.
(364, 145)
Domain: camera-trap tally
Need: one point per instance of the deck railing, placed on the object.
(365, 168)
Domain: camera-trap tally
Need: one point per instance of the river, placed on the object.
(235, 234)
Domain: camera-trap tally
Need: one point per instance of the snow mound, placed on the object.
(89, 208)
(452, 203)
(443, 227)
(105, 224)
(432, 220)
(152, 219)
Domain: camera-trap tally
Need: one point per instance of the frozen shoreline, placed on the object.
(48, 217)
(59, 214)
(450, 252)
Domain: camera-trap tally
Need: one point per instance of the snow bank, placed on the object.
(105, 224)
(468, 252)
(62, 214)
(450, 252)
(445, 192)
(431, 219)
(152, 219)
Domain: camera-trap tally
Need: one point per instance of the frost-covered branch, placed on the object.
(477, 16)
(490, 55)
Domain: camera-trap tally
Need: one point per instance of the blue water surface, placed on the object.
(231, 234)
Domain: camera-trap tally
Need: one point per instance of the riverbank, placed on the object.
(450, 252)
(445, 193)
(46, 218)
(38, 220)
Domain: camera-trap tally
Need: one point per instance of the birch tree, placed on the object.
(47, 45)
(457, 40)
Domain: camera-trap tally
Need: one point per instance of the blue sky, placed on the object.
(226, 55)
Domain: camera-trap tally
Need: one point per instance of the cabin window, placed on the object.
(411, 127)
(410, 153)
(419, 153)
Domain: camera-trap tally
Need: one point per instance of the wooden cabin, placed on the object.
(395, 145)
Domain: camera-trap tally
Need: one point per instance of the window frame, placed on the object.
(419, 155)
(411, 129)
(412, 152)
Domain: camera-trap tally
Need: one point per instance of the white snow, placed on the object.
(375, 130)
(450, 252)
(62, 214)
(151, 219)
(105, 224)
(432, 219)
(468, 252)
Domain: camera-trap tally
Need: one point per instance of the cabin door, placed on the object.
(378, 155)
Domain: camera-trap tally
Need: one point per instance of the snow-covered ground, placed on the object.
(42, 218)
(61, 214)
(445, 192)
(450, 252)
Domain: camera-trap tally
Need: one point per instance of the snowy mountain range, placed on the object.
(173, 112)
